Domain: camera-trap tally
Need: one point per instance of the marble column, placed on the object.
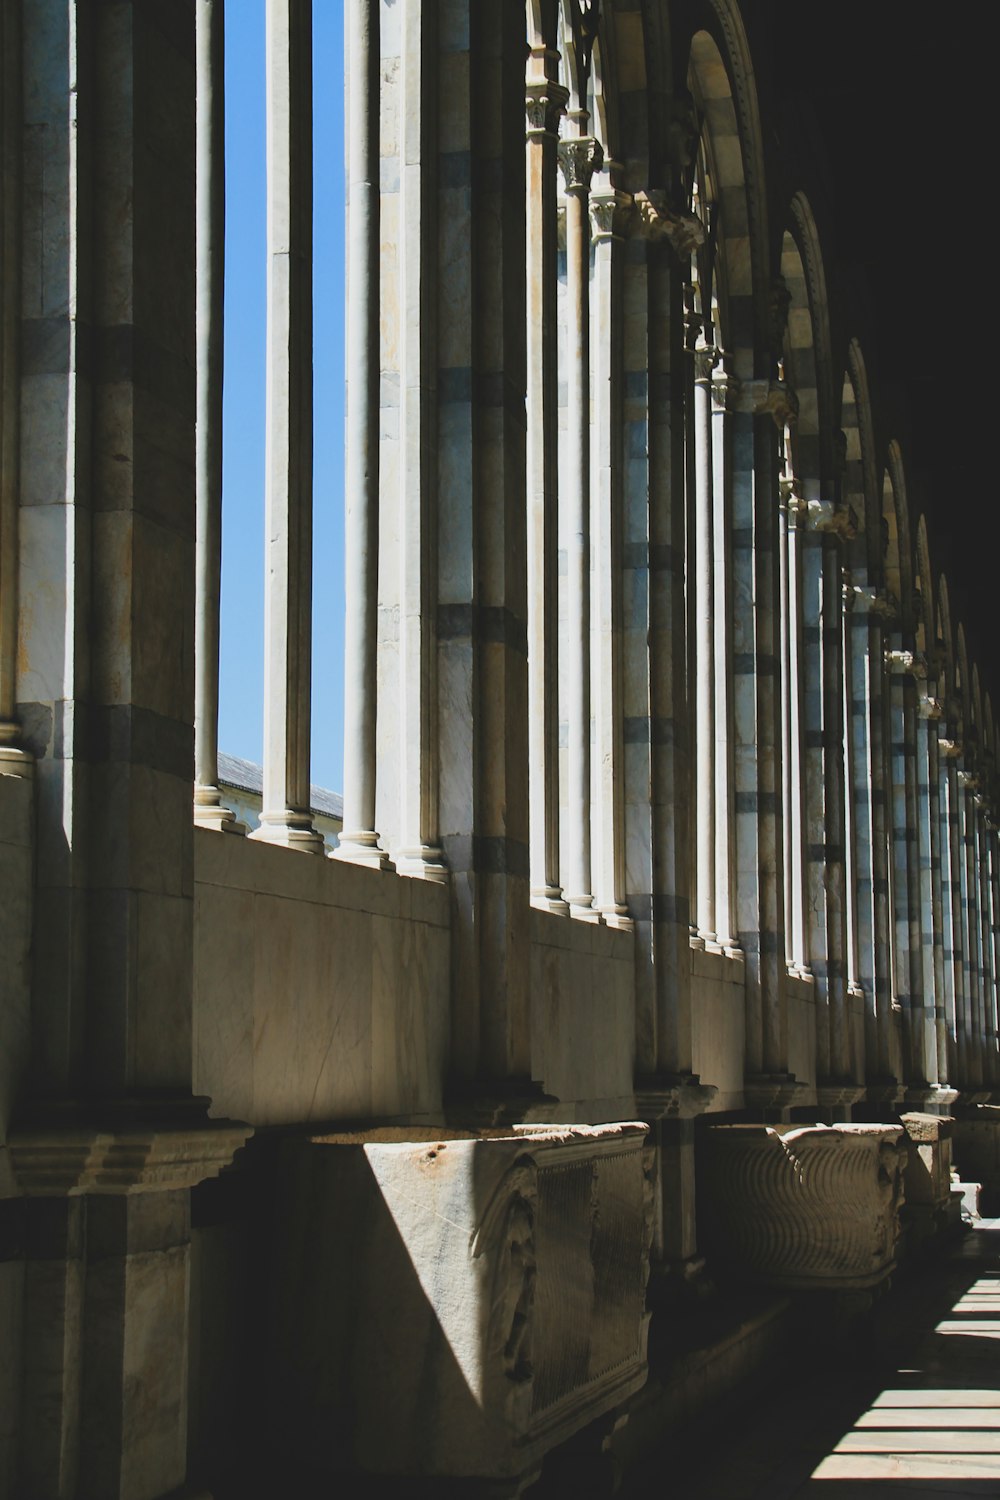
(579, 155)
(928, 709)
(418, 852)
(950, 749)
(791, 516)
(210, 215)
(482, 536)
(15, 760)
(723, 393)
(106, 692)
(285, 817)
(970, 913)
(359, 840)
(608, 209)
(705, 360)
(545, 102)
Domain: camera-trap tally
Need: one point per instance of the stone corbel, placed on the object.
(950, 749)
(725, 388)
(968, 781)
(706, 358)
(929, 707)
(773, 398)
(656, 220)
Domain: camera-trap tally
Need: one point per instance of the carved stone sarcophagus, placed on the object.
(802, 1207)
(456, 1304)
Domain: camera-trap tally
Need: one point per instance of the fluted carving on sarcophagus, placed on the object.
(507, 1266)
(802, 1207)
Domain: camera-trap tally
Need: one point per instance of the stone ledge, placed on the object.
(59, 1161)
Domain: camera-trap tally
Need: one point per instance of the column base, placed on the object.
(290, 830)
(361, 848)
(930, 1098)
(209, 811)
(424, 862)
(582, 909)
(550, 898)
(882, 1094)
(616, 916)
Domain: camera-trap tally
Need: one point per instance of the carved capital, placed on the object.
(609, 213)
(912, 663)
(706, 357)
(544, 104)
(950, 749)
(580, 156)
(842, 520)
(725, 390)
(773, 398)
(968, 780)
(929, 707)
(657, 220)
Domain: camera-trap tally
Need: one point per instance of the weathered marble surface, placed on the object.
(718, 1023)
(321, 987)
(488, 1302)
(931, 1206)
(802, 1207)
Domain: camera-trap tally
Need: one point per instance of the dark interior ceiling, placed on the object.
(891, 100)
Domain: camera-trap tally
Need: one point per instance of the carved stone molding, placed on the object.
(66, 1161)
(772, 1090)
(580, 156)
(656, 219)
(803, 1207)
(682, 1098)
(725, 390)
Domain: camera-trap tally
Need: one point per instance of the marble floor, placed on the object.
(913, 1411)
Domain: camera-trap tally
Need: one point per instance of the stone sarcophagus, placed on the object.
(977, 1152)
(931, 1207)
(454, 1304)
(802, 1207)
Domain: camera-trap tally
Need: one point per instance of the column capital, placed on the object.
(655, 220)
(580, 156)
(929, 707)
(544, 104)
(725, 388)
(706, 357)
(950, 749)
(912, 663)
(609, 211)
(968, 780)
(878, 602)
(766, 397)
(842, 520)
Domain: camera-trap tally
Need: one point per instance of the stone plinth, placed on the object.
(931, 1206)
(977, 1152)
(454, 1305)
(810, 1208)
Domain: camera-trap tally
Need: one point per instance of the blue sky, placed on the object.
(242, 672)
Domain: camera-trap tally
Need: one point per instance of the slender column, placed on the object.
(970, 882)
(14, 759)
(723, 388)
(951, 749)
(994, 918)
(579, 155)
(795, 851)
(545, 101)
(987, 976)
(418, 852)
(286, 818)
(949, 992)
(359, 840)
(607, 206)
(210, 196)
(884, 1062)
(926, 796)
(705, 360)
(920, 1000)
(834, 822)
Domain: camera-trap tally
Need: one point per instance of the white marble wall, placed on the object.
(321, 988)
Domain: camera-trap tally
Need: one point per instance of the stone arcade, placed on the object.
(664, 913)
